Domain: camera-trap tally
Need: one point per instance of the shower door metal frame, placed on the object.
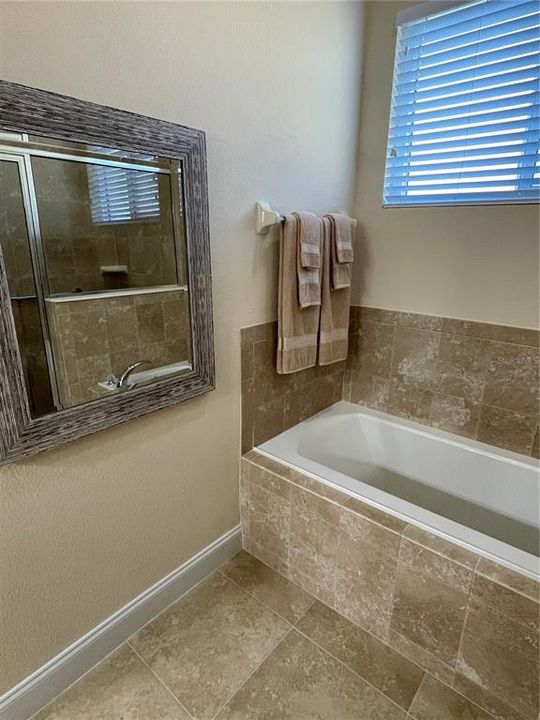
(36, 255)
(37, 112)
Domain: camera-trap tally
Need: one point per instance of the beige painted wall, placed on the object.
(85, 528)
(478, 263)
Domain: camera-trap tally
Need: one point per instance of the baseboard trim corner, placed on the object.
(38, 689)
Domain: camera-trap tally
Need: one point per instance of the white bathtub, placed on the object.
(480, 497)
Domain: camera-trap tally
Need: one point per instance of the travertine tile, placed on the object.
(321, 489)
(365, 580)
(371, 348)
(513, 378)
(271, 588)
(369, 390)
(206, 645)
(408, 401)
(491, 595)
(507, 429)
(268, 419)
(391, 673)
(500, 656)
(417, 320)
(418, 558)
(421, 656)
(462, 366)
(429, 612)
(435, 701)
(488, 331)
(314, 545)
(301, 682)
(273, 466)
(378, 516)
(269, 523)
(512, 580)
(492, 704)
(119, 687)
(441, 546)
(415, 356)
(455, 414)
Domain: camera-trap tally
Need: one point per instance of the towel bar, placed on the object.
(265, 217)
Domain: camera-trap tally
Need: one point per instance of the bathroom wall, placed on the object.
(472, 263)
(87, 527)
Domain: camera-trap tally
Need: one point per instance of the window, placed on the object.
(118, 194)
(464, 122)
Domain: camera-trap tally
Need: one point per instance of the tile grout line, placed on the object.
(243, 683)
(349, 669)
(160, 681)
(408, 711)
(294, 626)
(252, 595)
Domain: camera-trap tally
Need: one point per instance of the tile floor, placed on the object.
(246, 644)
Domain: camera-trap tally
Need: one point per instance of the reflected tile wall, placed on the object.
(272, 403)
(473, 379)
(466, 620)
(94, 338)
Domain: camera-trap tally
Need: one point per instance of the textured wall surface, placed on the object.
(474, 263)
(85, 528)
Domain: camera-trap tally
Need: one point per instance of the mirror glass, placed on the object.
(93, 245)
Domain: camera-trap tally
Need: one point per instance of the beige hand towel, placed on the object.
(308, 262)
(335, 307)
(297, 327)
(310, 232)
(342, 230)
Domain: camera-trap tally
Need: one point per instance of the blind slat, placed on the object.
(118, 194)
(465, 116)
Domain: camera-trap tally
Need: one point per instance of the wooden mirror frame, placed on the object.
(37, 112)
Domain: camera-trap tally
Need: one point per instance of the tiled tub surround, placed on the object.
(474, 379)
(272, 403)
(466, 620)
(92, 338)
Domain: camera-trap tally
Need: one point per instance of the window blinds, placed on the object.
(118, 194)
(464, 123)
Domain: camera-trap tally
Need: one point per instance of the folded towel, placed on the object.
(297, 327)
(341, 246)
(345, 227)
(335, 306)
(310, 234)
(308, 260)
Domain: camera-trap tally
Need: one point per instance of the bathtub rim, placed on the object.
(479, 543)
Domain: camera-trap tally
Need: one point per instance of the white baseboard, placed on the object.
(30, 695)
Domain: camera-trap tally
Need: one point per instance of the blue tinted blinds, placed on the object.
(464, 123)
(118, 194)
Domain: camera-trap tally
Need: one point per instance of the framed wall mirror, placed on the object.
(105, 282)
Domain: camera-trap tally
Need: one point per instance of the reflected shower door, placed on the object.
(16, 236)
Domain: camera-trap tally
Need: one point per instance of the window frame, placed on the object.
(407, 15)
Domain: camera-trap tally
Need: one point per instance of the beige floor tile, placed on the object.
(281, 595)
(301, 682)
(393, 674)
(435, 701)
(119, 688)
(207, 644)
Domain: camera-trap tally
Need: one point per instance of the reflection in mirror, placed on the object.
(93, 245)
